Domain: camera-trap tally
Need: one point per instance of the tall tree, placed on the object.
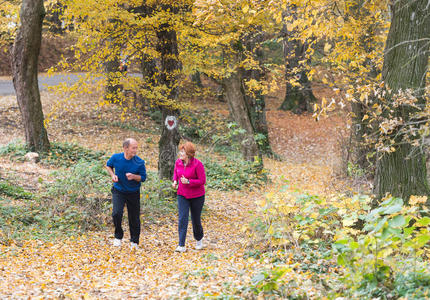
(403, 171)
(167, 47)
(238, 109)
(256, 101)
(25, 54)
(298, 92)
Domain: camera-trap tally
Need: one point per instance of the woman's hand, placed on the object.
(184, 180)
(175, 184)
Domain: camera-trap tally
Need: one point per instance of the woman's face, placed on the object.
(182, 155)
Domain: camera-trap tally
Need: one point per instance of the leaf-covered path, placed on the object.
(88, 266)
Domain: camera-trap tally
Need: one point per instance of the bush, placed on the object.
(80, 194)
(60, 154)
(233, 174)
(157, 195)
(388, 258)
(15, 150)
(13, 190)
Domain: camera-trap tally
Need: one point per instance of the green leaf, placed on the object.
(397, 221)
(409, 230)
(422, 240)
(380, 224)
(423, 221)
(341, 260)
(353, 245)
(393, 209)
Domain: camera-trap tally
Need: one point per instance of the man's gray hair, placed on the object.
(127, 142)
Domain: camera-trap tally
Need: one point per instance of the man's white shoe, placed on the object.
(199, 245)
(133, 245)
(180, 249)
(117, 242)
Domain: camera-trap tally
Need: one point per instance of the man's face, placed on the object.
(131, 150)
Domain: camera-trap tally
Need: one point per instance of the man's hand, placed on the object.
(175, 184)
(114, 178)
(131, 176)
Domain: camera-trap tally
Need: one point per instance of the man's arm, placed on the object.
(112, 174)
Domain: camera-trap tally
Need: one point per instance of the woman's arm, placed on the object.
(201, 176)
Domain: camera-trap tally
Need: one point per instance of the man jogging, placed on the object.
(127, 171)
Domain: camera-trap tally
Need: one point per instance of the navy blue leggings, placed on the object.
(184, 206)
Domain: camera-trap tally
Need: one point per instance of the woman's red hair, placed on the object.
(189, 149)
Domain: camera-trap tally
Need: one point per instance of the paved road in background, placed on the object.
(6, 86)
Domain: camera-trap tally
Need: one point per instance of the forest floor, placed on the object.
(87, 266)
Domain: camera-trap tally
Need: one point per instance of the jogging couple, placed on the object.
(128, 172)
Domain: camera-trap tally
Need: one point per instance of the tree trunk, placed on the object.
(403, 172)
(25, 54)
(256, 102)
(112, 70)
(238, 109)
(149, 71)
(300, 98)
(55, 12)
(167, 46)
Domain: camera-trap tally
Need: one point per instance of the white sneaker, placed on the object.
(199, 244)
(117, 242)
(133, 245)
(180, 249)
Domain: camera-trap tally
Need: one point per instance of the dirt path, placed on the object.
(89, 267)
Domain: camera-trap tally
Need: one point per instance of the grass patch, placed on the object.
(14, 191)
(233, 174)
(60, 154)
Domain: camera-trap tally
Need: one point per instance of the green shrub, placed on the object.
(233, 174)
(80, 194)
(60, 154)
(389, 257)
(13, 190)
(15, 150)
(67, 154)
(157, 195)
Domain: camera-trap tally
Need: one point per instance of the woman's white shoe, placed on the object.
(180, 249)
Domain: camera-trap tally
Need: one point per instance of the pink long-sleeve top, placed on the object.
(194, 171)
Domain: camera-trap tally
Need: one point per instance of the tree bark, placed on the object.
(55, 12)
(25, 54)
(403, 172)
(112, 69)
(113, 88)
(167, 46)
(300, 98)
(149, 72)
(256, 102)
(238, 109)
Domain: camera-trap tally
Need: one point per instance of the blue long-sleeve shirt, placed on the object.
(121, 166)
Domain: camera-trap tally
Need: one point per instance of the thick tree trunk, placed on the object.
(25, 54)
(239, 111)
(403, 172)
(298, 99)
(167, 46)
(256, 102)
